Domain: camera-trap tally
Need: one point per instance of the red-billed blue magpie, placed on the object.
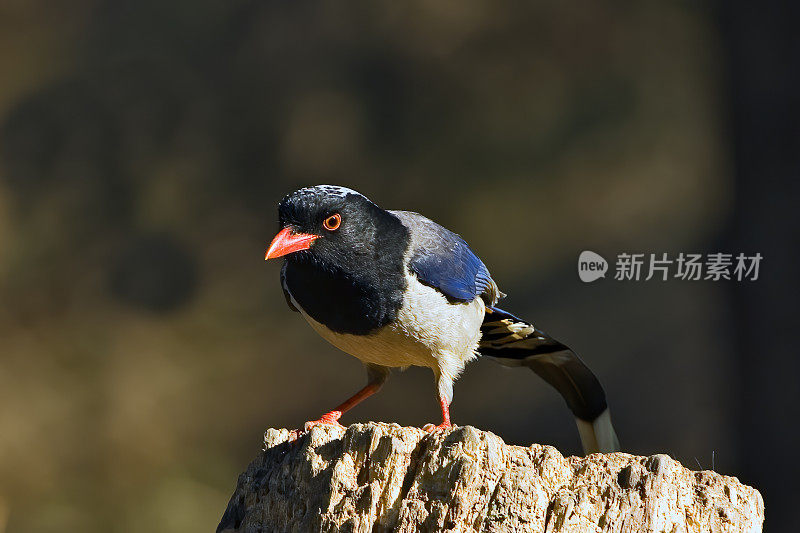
(395, 289)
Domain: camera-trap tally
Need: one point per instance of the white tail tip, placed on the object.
(598, 435)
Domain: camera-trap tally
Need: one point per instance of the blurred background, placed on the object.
(145, 344)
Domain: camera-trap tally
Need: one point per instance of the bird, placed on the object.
(395, 289)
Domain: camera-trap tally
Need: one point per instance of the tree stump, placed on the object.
(382, 477)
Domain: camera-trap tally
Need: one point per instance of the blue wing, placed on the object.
(455, 270)
(443, 260)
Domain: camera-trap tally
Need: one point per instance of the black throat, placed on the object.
(362, 289)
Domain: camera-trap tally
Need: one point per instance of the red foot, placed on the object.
(331, 419)
(430, 428)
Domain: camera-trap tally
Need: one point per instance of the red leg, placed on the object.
(445, 418)
(332, 418)
(445, 414)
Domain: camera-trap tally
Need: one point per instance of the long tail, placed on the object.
(514, 342)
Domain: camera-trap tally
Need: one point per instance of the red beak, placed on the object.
(286, 242)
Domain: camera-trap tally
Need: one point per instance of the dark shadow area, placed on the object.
(763, 54)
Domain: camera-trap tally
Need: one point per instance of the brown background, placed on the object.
(145, 345)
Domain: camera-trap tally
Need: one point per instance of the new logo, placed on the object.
(591, 266)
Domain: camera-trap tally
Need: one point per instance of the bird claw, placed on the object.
(431, 428)
(313, 423)
(330, 419)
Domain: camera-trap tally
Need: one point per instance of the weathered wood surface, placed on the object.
(382, 477)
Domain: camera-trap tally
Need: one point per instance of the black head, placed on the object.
(326, 223)
(344, 256)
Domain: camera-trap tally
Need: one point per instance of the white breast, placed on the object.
(429, 331)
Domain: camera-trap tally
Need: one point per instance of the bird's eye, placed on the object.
(333, 222)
